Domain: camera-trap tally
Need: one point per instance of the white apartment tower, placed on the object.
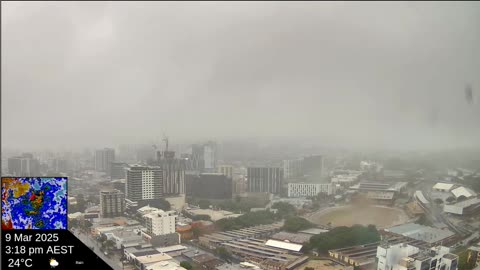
(407, 257)
(160, 222)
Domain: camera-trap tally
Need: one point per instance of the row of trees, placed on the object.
(247, 220)
(343, 237)
(284, 210)
(295, 224)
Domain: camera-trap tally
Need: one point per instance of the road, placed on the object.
(435, 212)
(113, 262)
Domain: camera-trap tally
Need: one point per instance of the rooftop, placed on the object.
(420, 232)
(443, 186)
(283, 245)
(165, 265)
(214, 214)
(314, 231)
(298, 238)
(153, 258)
(463, 191)
(467, 203)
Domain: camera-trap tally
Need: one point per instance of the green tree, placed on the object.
(344, 236)
(284, 209)
(247, 220)
(309, 268)
(186, 265)
(204, 204)
(223, 253)
(109, 244)
(94, 199)
(161, 203)
(450, 199)
(423, 220)
(295, 224)
(81, 203)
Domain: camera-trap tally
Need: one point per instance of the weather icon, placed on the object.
(53, 263)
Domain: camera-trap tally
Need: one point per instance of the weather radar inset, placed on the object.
(38, 203)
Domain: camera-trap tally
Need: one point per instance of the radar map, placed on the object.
(34, 203)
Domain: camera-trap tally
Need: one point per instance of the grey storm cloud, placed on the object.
(102, 73)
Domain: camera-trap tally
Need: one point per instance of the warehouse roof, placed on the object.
(443, 186)
(463, 191)
(420, 232)
(467, 203)
(283, 245)
(420, 197)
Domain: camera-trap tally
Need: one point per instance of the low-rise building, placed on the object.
(160, 222)
(430, 235)
(473, 258)
(463, 191)
(443, 187)
(405, 257)
(464, 208)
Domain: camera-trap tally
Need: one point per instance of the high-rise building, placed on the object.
(265, 179)
(143, 183)
(226, 170)
(293, 168)
(103, 159)
(205, 156)
(209, 186)
(309, 189)
(407, 257)
(173, 174)
(160, 222)
(313, 168)
(118, 170)
(112, 203)
(239, 185)
(198, 157)
(210, 156)
(24, 165)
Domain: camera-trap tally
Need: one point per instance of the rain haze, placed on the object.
(356, 74)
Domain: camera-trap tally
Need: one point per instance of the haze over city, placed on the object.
(389, 75)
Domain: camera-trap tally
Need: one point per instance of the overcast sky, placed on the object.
(383, 74)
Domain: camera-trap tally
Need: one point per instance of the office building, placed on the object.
(226, 170)
(265, 179)
(173, 174)
(198, 162)
(103, 159)
(239, 185)
(24, 165)
(205, 156)
(293, 168)
(118, 170)
(406, 257)
(112, 203)
(209, 186)
(210, 156)
(143, 183)
(309, 190)
(160, 222)
(313, 167)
